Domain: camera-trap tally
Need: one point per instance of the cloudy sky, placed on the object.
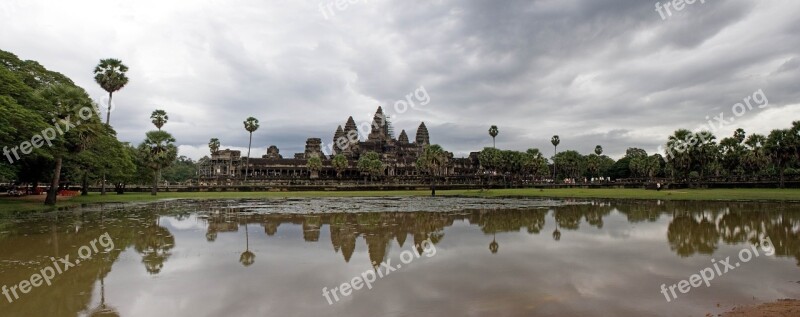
(608, 72)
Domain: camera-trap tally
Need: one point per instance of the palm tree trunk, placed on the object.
(103, 185)
(555, 151)
(51, 194)
(154, 190)
(247, 160)
(494, 145)
(108, 114)
(85, 184)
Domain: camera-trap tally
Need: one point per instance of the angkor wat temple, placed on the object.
(399, 157)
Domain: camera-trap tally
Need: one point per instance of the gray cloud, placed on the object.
(594, 72)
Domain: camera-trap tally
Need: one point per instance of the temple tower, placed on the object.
(380, 127)
(422, 135)
(336, 136)
(403, 139)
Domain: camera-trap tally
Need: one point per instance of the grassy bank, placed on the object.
(36, 204)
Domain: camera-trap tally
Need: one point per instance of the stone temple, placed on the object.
(398, 156)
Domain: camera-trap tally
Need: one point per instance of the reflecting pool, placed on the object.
(459, 257)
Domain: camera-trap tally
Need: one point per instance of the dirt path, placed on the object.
(781, 308)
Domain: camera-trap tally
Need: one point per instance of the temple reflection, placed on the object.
(688, 228)
(691, 230)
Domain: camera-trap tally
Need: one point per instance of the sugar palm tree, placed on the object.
(431, 161)
(598, 150)
(555, 140)
(213, 145)
(340, 164)
(159, 118)
(493, 132)
(494, 246)
(314, 165)
(159, 151)
(247, 258)
(251, 125)
(779, 146)
(110, 75)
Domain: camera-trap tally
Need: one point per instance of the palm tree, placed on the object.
(598, 150)
(555, 140)
(431, 161)
(779, 145)
(494, 246)
(340, 164)
(213, 145)
(159, 151)
(251, 125)
(159, 118)
(110, 75)
(247, 258)
(314, 165)
(493, 131)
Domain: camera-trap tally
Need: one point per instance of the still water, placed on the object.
(459, 257)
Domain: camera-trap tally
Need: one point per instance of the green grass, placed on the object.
(21, 205)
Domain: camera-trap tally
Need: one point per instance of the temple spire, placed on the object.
(422, 135)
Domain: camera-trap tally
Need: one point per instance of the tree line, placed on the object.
(689, 156)
(85, 150)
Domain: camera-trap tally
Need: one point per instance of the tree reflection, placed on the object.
(688, 236)
(494, 246)
(694, 228)
(247, 258)
(154, 243)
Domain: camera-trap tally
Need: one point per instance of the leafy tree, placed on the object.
(755, 159)
(102, 155)
(706, 154)
(182, 170)
(620, 169)
(340, 164)
(159, 118)
(679, 158)
(493, 132)
(121, 166)
(251, 125)
(370, 164)
(780, 148)
(431, 162)
(570, 164)
(213, 145)
(593, 165)
(63, 101)
(535, 163)
(490, 158)
(733, 152)
(314, 165)
(158, 151)
(110, 75)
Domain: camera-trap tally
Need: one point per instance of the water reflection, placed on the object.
(187, 237)
(689, 232)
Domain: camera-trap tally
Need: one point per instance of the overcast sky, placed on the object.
(608, 72)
